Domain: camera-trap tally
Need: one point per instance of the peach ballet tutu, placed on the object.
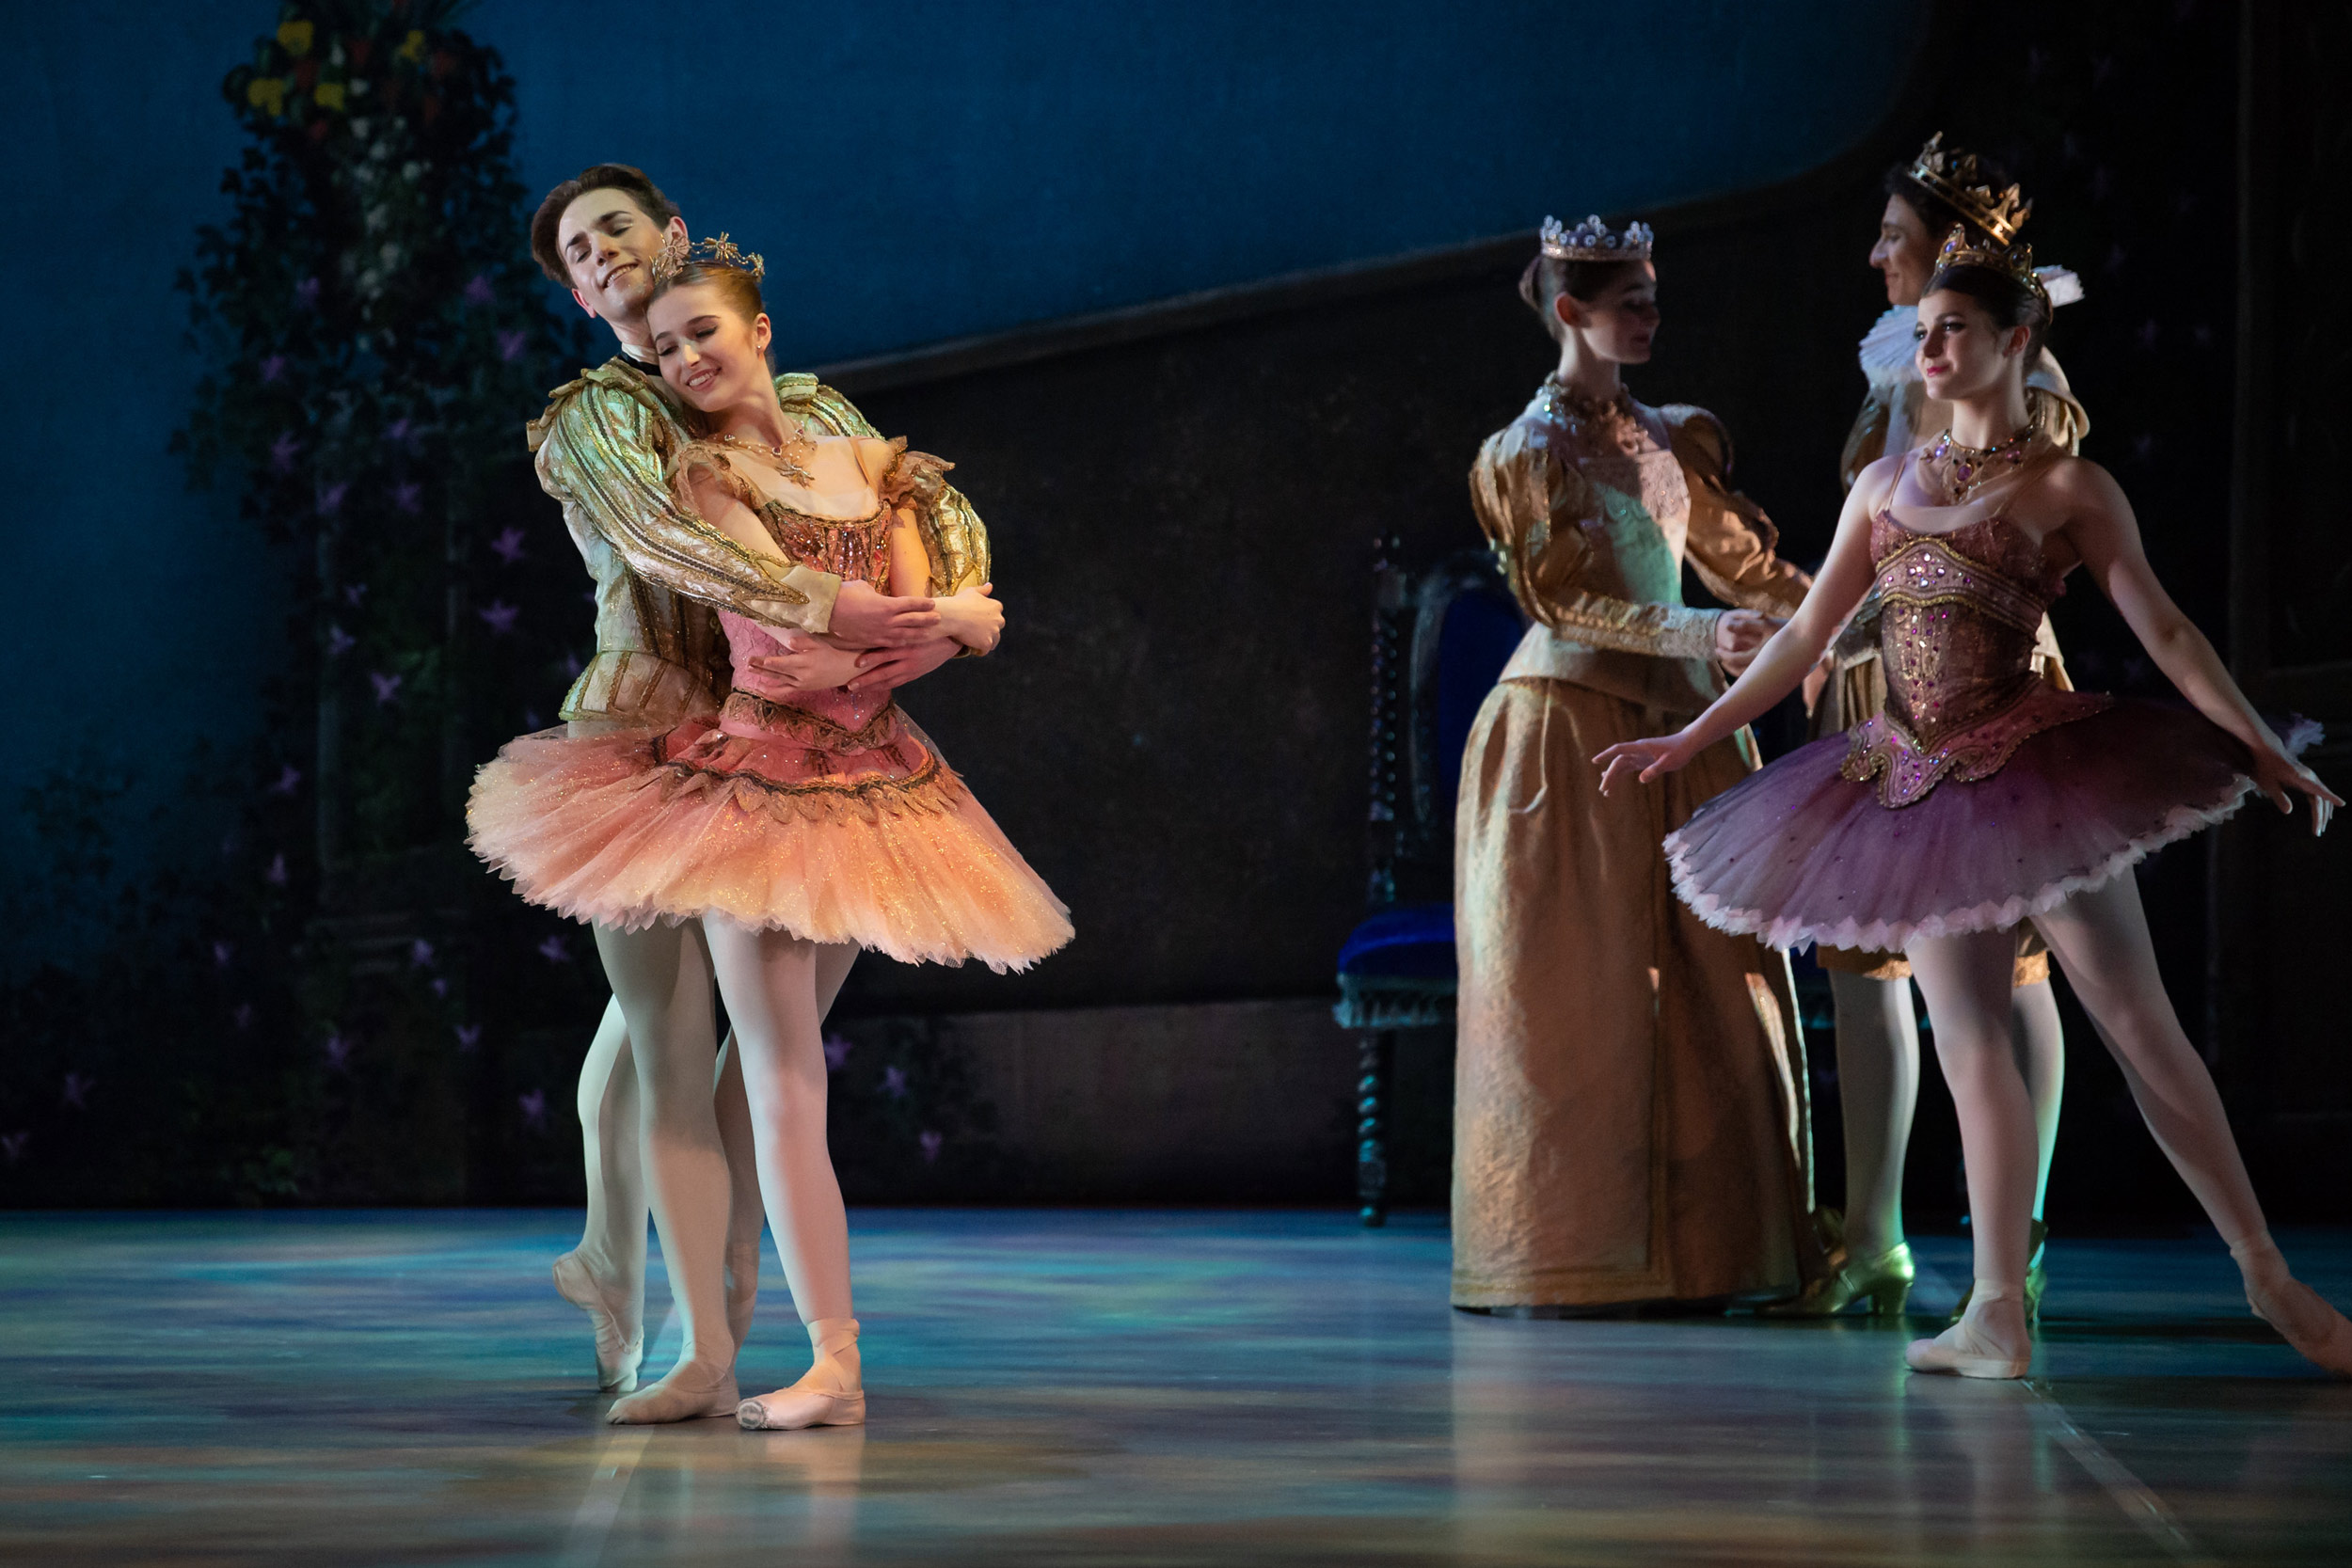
(829, 815)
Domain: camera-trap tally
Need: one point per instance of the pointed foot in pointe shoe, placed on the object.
(677, 1399)
(1934, 1356)
(793, 1409)
(2316, 1330)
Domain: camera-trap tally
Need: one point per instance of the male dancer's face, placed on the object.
(608, 244)
(1905, 253)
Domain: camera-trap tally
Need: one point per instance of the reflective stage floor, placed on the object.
(1056, 1388)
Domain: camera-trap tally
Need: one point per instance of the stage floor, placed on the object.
(1060, 1389)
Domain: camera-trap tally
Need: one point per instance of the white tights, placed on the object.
(777, 987)
(2101, 939)
(646, 1150)
(1878, 1089)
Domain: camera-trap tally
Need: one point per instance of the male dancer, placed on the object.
(603, 448)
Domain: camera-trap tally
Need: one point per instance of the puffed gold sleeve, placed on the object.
(1730, 543)
(953, 535)
(604, 446)
(2057, 412)
(1532, 509)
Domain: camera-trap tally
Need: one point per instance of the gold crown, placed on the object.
(1955, 177)
(677, 255)
(2014, 260)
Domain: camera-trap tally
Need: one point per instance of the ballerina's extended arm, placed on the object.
(1785, 660)
(2099, 523)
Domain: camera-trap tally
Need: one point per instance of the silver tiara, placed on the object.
(1595, 240)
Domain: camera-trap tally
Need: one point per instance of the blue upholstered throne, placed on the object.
(1440, 639)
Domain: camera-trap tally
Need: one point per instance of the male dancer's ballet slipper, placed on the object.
(1971, 1347)
(831, 1393)
(687, 1392)
(2314, 1328)
(619, 1355)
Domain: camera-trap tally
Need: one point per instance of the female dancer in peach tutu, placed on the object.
(1983, 795)
(802, 823)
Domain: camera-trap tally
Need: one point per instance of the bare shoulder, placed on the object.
(2080, 485)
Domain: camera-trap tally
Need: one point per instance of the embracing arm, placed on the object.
(2101, 527)
(1785, 660)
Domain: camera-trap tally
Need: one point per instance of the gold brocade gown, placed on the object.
(1631, 1120)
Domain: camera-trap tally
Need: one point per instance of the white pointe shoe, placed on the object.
(688, 1392)
(619, 1355)
(831, 1393)
(1990, 1340)
(2301, 1314)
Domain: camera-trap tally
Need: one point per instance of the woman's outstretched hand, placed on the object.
(2282, 778)
(1644, 759)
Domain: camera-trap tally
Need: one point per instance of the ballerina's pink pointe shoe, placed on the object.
(690, 1390)
(2316, 1329)
(831, 1393)
(618, 1355)
(1990, 1340)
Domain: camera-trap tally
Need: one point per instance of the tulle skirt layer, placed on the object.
(1798, 854)
(628, 828)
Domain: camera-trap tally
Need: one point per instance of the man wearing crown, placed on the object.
(1631, 1120)
(1942, 192)
(603, 449)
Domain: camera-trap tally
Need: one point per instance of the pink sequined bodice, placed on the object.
(1956, 641)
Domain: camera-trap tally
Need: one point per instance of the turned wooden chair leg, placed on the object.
(1372, 1126)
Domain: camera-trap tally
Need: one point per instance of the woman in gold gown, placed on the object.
(1629, 1111)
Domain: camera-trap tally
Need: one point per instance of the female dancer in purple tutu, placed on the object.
(1983, 795)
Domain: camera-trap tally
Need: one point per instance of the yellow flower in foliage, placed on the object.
(328, 95)
(412, 48)
(267, 93)
(296, 36)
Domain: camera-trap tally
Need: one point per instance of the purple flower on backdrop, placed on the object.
(508, 545)
(331, 499)
(2115, 258)
(419, 954)
(14, 1145)
(2036, 61)
(307, 293)
(337, 1053)
(275, 875)
(387, 687)
(2072, 145)
(271, 368)
(398, 430)
(242, 1015)
(837, 1052)
(554, 950)
(408, 496)
(441, 987)
(572, 665)
(2203, 334)
(498, 616)
(339, 641)
(534, 1106)
(222, 952)
(2143, 446)
(355, 594)
(895, 1082)
(77, 1090)
(478, 290)
(511, 345)
(289, 778)
(2147, 335)
(2101, 183)
(930, 1142)
(281, 453)
(2100, 68)
(530, 717)
(468, 1037)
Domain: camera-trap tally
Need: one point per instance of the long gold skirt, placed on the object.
(1630, 1117)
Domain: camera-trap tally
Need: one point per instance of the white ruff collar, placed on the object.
(1887, 348)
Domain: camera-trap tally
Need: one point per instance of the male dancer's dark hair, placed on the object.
(632, 181)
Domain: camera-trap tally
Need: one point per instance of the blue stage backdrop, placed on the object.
(921, 171)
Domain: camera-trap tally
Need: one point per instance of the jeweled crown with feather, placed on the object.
(1595, 240)
(1955, 177)
(2014, 260)
(721, 252)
